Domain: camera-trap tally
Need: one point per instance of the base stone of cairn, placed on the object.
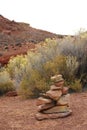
(55, 102)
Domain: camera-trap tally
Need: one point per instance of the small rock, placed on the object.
(55, 95)
(53, 87)
(65, 90)
(57, 109)
(42, 100)
(41, 116)
(45, 107)
(63, 100)
(11, 93)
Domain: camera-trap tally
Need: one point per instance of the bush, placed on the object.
(77, 47)
(65, 65)
(5, 83)
(71, 68)
(84, 80)
(6, 87)
(76, 86)
(32, 72)
(17, 68)
(54, 66)
(33, 86)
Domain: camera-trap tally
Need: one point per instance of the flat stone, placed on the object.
(41, 116)
(53, 87)
(11, 94)
(59, 84)
(45, 107)
(42, 100)
(55, 95)
(44, 96)
(57, 109)
(65, 90)
(63, 100)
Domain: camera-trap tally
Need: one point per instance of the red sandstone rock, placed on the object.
(65, 90)
(13, 35)
(45, 106)
(42, 100)
(64, 100)
(55, 95)
(41, 116)
(53, 87)
(57, 109)
(11, 93)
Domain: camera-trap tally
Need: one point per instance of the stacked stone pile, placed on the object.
(55, 102)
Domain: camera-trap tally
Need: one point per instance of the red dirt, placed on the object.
(18, 114)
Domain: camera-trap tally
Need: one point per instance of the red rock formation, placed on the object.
(13, 34)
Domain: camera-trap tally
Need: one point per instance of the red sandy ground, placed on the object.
(18, 114)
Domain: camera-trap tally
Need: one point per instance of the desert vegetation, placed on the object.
(6, 83)
(30, 74)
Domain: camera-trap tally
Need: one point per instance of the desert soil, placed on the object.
(19, 114)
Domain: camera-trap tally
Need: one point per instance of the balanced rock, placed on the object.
(57, 78)
(65, 90)
(54, 88)
(63, 100)
(45, 106)
(55, 102)
(41, 116)
(11, 93)
(42, 100)
(57, 109)
(55, 95)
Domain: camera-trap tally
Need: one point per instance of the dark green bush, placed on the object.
(6, 87)
(76, 86)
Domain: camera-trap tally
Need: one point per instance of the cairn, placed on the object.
(55, 102)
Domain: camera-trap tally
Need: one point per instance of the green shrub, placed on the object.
(6, 87)
(77, 47)
(67, 56)
(84, 79)
(76, 86)
(33, 86)
(54, 66)
(5, 83)
(24, 90)
(66, 65)
(17, 68)
(71, 68)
